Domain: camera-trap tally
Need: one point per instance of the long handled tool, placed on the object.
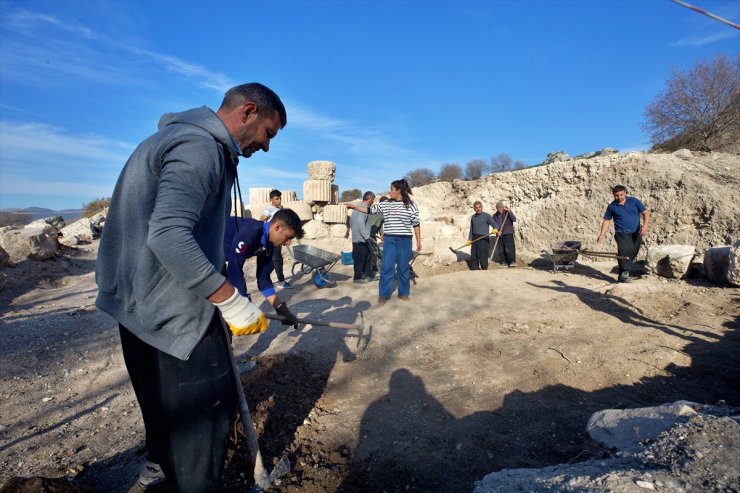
(594, 254)
(455, 250)
(498, 236)
(262, 479)
(337, 325)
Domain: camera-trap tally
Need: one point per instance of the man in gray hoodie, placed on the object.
(362, 256)
(159, 275)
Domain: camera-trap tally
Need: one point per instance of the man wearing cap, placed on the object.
(478, 237)
(504, 219)
(625, 212)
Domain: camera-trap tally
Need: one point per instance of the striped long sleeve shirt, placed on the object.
(398, 220)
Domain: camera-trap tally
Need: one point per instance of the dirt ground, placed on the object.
(481, 371)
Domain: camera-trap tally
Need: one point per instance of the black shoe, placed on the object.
(361, 280)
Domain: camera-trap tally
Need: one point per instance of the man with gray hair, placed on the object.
(361, 254)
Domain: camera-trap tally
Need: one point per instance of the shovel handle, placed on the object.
(308, 321)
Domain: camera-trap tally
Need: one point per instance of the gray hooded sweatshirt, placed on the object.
(161, 250)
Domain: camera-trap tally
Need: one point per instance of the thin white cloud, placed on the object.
(203, 77)
(704, 39)
(43, 142)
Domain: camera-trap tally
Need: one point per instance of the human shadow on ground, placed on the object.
(579, 270)
(408, 441)
(623, 310)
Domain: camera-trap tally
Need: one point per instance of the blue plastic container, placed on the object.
(347, 258)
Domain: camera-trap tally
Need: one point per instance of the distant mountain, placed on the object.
(41, 212)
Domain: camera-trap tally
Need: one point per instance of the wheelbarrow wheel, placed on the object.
(321, 278)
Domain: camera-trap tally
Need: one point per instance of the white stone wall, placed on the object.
(316, 191)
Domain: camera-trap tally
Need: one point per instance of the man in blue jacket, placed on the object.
(246, 238)
(159, 275)
(625, 212)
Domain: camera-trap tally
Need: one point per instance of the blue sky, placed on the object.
(379, 87)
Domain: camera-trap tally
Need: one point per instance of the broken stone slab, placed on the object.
(83, 230)
(671, 261)
(338, 230)
(255, 211)
(335, 214)
(37, 241)
(315, 229)
(237, 209)
(717, 263)
(57, 222)
(733, 264)
(321, 170)
(316, 191)
(628, 429)
(301, 208)
(259, 195)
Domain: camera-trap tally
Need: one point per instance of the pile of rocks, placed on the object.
(320, 210)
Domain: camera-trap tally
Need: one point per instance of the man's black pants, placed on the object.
(628, 245)
(187, 406)
(479, 252)
(362, 258)
(277, 262)
(506, 250)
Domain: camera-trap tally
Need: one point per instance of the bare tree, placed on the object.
(519, 164)
(450, 171)
(350, 195)
(420, 176)
(701, 105)
(474, 169)
(500, 163)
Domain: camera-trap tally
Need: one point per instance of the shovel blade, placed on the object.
(281, 469)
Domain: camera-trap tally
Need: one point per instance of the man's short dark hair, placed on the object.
(368, 195)
(264, 97)
(275, 193)
(290, 219)
(619, 188)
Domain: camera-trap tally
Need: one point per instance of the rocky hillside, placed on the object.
(693, 199)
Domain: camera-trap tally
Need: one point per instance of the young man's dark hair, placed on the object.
(262, 96)
(275, 193)
(619, 188)
(290, 219)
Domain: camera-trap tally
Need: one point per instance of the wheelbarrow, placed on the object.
(314, 261)
(563, 255)
(377, 249)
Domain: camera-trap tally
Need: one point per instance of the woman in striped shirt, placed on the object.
(400, 223)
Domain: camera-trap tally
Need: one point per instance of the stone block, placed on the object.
(334, 214)
(259, 195)
(671, 261)
(338, 230)
(4, 258)
(334, 194)
(424, 212)
(301, 208)
(321, 170)
(36, 241)
(717, 263)
(733, 267)
(289, 196)
(315, 229)
(255, 210)
(427, 245)
(316, 191)
(683, 154)
(616, 428)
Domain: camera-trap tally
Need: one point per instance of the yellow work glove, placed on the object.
(468, 243)
(241, 315)
(494, 232)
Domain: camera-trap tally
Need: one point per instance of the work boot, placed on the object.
(284, 285)
(625, 277)
(504, 265)
(361, 280)
(404, 298)
(381, 300)
(151, 479)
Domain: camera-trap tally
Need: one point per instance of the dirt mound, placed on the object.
(692, 201)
